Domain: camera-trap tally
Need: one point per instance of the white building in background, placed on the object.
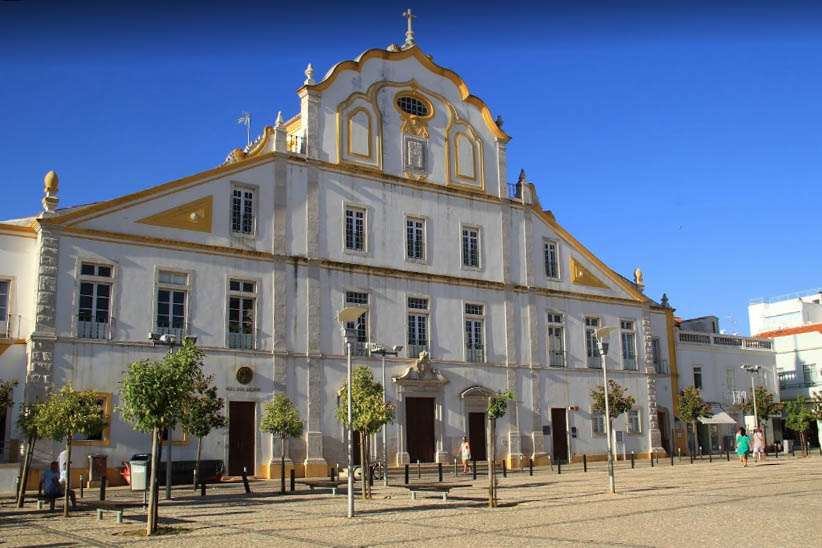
(711, 360)
(794, 322)
(388, 191)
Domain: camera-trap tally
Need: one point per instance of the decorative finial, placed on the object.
(409, 34)
(50, 200)
(521, 176)
(665, 302)
(309, 75)
(638, 278)
(499, 121)
(279, 121)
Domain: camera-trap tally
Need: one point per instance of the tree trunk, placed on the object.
(363, 466)
(151, 523)
(492, 463)
(696, 438)
(68, 476)
(282, 465)
(197, 462)
(24, 476)
(802, 441)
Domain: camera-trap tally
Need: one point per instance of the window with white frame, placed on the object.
(5, 310)
(470, 247)
(417, 326)
(556, 342)
(415, 238)
(597, 423)
(360, 325)
(632, 423)
(94, 302)
(628, 337)
(698, 377)
(474, 332)
(551, 259)
(242, 297)
(172, 294)
(354, 229)
(591, 350)
(660, 365)
(242, 210)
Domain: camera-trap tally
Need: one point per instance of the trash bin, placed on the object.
(787, 446)
(139, 474)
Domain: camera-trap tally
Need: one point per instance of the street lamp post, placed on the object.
(383, 351)
(346, 315)
(602, 346)
(753, 369)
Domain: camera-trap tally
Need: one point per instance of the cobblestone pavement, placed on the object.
(704, 504)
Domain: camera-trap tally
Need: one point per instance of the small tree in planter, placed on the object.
(6, 388)
(497, 406)
(282, 419)
(203, 415)
(27, 425)
(66, 413)
(691, 408)
(765, 406)
(368, 413)
(618, 401)
(799, 419)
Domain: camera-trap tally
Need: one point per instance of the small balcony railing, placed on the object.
(556, 358)
(629, 364)
(750, 343)
(594, 362)
(415, 349)
(736, 397)
(92, 330)
(515, 191)
(296, 144)
(178, 332)
(359, 349)
(661, 367)
(474, 354)
(243, 341)
(792, 379)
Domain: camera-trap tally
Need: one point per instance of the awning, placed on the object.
(719, 417)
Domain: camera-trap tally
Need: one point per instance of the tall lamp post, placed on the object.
(383, 351)
(602, 346)
(168, 340)
(753, 370)
(346, 315)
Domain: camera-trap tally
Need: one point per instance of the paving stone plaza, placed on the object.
(704, 504)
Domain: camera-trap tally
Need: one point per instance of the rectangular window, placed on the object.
(356, 298)
(415, 239)
(556, 344)
(470, 247)
(591, 350)
(474, 336)
(551, 260)
(597, 423)
(807, 374)
(102, 438)
(172, 292)
(241, 300)
(417, 326)
(628, 337)
(5, 312)
(242, 211)
(355, 229)
(632, 422)
(698, 377)
(94, 302)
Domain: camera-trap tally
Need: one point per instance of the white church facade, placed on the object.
(388, 191)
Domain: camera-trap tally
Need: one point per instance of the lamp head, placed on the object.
(603, 347)
(398, 348)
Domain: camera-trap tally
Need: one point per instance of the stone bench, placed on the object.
(439, 488)
(333, 485)
(116, 507)
(46, 498)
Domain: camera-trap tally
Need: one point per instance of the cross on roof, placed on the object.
(409, 34)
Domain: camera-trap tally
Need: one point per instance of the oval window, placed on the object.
(412, 105)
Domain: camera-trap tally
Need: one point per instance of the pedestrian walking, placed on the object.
(759, 445)
(464, 453)
(743, 446)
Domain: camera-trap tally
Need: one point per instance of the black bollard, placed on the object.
(245, 481)
(672, 459)
(727, 455)
(776, 452)
(102, 488)
(692, 458)
(584, 462)
(652, 460)
(282, 477)
(530, 467)
(656, 454)
(632, 460)
(559, 466)
(439, 471)
(332, 473)
(371, 476)
(793, 450)
(710, 456)
(81, 484)
(406, 474)
(474, 468)
(504, 470)
(292, 480)
(202, 487)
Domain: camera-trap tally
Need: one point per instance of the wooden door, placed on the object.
(241, 433)
(559, 434)
(476, 436)
(419, 427)
(662, 420)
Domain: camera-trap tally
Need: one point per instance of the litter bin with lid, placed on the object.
(139, 474)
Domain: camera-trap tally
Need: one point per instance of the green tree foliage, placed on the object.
(691, 408)
(497, 407)
(765, 406)
(281, 419)
(27, 426)
(618, 401)
(155, 396)
(368, 411)
(66, 413)
(204, 414)
(6, 388)
(816, 406)
(799, 418)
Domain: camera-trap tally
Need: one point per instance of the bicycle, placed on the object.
(376, 467)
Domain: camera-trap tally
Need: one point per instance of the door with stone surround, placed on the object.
(419, 427)
(241, 434)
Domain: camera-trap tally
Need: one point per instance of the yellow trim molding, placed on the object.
(106, 435)
(582, 276)
(350, 119)
(196, 215)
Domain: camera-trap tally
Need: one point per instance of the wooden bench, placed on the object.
(323, 484)
(440, 488)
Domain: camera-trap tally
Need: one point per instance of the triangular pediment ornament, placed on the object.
(582, 276)
(194, 215)
(421, 374)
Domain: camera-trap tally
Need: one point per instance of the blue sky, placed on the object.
(680, 137)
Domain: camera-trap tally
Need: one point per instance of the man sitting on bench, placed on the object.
(52, 486)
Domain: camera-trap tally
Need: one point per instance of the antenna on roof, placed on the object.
(245, 119)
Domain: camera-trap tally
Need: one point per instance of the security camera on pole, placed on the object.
(602, 346)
